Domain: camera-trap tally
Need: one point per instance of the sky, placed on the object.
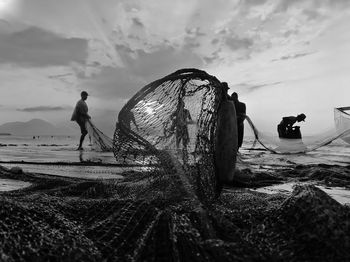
(282, 57)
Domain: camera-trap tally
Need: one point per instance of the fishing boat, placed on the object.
(342, 121)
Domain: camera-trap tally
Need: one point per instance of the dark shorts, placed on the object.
(83, 128)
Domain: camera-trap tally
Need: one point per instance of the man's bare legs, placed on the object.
(83, 134)
(82, 137)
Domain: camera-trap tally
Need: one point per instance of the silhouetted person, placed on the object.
(225, 140)
(241, 114)
(81, 116)
(286, 129)
(180, 118)
(225, 94)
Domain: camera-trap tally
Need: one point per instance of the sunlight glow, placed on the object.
(6, 6)
(149, 110)
(151, 107)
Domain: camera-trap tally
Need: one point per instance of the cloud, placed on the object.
(248, 88)
(136, 21)
(213, 57)
(140, 69)
(311, 5)
(4, 22)
(112, 83)
(194, 32)
(158, 63)
(236, 43)
(39, 48)
(43, 109)
(292, 56)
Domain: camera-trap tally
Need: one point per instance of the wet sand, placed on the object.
(12, 184)
(77, 170)
(146, 217)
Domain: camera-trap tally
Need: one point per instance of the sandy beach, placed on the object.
(146, 217)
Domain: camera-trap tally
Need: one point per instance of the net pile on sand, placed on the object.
(69, 219)
(171, 124)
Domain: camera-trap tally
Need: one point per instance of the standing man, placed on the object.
(180, 119)
(241, 114)
(225, 141)
(80, 115)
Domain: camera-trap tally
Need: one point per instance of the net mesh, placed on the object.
(99, 141)
(342, 122)
(277, 145)
(170, 124)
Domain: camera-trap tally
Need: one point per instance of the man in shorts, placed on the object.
(81, 116)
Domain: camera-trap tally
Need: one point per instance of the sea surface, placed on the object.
(256, 157)
(57, 155)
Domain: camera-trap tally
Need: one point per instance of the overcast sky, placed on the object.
(282, 57)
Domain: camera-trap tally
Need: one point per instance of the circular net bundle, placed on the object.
(169, 126)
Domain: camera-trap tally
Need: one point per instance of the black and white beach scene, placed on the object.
(167, 130)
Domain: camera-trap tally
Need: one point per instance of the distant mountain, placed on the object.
(36, 127)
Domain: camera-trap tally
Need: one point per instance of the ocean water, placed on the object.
(53, 149)
(257, 158)
(57, 155)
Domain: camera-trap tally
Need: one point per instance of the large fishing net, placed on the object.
(169, 125)
(274, 144)
(168, 128)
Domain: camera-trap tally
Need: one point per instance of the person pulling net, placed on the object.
(286, 128)
(295, 146)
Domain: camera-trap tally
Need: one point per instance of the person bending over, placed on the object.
(286, 129)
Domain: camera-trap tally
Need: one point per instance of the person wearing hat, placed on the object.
(286, 129)
(81, 116)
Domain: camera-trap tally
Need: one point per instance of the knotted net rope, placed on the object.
(276, 145)
(170, 124)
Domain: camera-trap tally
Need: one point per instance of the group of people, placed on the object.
(240, 108)
(182, 117)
